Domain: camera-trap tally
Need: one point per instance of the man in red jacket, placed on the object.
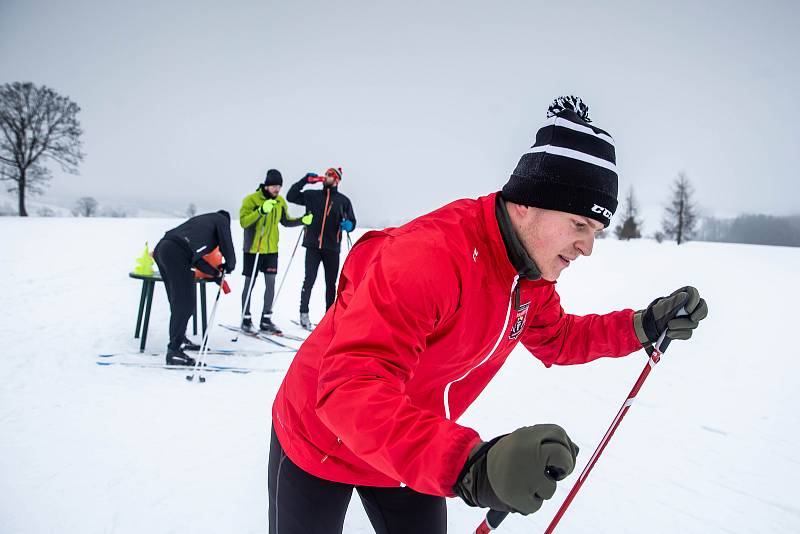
(425, 316)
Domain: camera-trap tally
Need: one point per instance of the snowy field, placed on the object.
(712, 444)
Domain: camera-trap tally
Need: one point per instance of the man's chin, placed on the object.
(551, 277)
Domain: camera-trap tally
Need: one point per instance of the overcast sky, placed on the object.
(420, 103)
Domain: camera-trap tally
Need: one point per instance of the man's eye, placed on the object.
(580, 225)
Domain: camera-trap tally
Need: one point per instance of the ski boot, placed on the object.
(189, 345)
(178, 357)
(305, 322)
(268, 327)
(247, 324)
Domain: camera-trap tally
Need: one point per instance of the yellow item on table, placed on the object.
(144, 263)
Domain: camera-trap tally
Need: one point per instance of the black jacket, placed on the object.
(329, 207)
(200, 235)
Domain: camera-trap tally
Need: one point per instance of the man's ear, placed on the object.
(516, 211)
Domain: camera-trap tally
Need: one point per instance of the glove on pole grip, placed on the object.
(494, 518)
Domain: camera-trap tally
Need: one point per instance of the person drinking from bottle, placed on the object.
(259, 217)
(425, 316)
(333, 215)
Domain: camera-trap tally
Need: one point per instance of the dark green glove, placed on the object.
(662, 314)
(518, 471)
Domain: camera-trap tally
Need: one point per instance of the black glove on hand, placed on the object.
(662, 313)
(518, 471)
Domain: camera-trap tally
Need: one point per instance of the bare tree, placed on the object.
(85, 207)
(680, 216)
(630, 226)
(191, 210)
(36, 124)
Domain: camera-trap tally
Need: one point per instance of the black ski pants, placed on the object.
(330, 262)
(300, 503)
(174, 264)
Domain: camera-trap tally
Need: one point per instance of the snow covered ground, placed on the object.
(711, 445)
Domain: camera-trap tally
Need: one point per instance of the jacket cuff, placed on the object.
(638, 326)
(461, 457)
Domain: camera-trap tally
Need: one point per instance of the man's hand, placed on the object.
(267, 206)
(347, 225)
(518, 471)
(307, 218)
(662, 315)
(312, 177)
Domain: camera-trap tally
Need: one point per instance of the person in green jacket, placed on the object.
(259, 216)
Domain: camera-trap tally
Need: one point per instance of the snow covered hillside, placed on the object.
(710, 446)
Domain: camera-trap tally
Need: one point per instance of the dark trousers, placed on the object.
(300, 503)
(267, 264)
(176, 270)
(330, 262)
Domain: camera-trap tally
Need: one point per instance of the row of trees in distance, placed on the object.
(37, 126)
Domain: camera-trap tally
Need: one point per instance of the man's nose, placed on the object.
(585, 245)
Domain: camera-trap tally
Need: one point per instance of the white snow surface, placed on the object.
(710, 445)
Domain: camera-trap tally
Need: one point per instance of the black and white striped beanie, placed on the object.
(571, 167)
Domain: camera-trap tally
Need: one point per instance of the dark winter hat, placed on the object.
(273, 177)
(571, 166)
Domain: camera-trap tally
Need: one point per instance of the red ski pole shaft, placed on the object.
(658, 351)
(494, 518)
(490, 522)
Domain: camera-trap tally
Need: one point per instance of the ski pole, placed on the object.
(200, 361)
(490, 522)
(494, 518)
(280, 286)
(253, 275)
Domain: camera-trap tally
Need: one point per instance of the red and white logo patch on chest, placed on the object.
(519, 322)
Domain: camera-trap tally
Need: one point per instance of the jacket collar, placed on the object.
(492, 240)
(516, 253)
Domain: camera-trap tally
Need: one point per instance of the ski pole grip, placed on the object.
(664, 341)
(494, 518)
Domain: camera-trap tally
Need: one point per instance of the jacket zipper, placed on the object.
(324, 217)
(511, 299)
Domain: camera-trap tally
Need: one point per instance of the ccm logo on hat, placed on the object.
(600, 209)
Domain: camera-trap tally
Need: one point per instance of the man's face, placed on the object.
(553, 239)
(330, 179)
(272, 190)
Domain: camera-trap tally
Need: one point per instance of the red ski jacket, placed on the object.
(425, 316)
